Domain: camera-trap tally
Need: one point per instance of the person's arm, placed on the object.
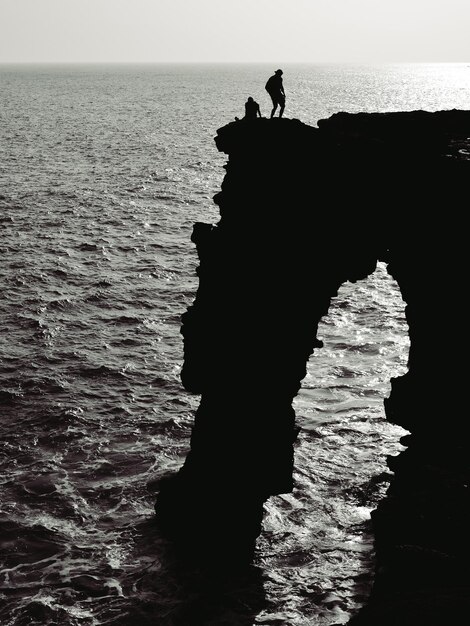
(282, 89)
(258, 111)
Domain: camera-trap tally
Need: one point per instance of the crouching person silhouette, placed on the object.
(275, 88)
(251, 109)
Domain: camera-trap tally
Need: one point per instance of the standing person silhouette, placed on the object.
(275, 88)
(251, 109)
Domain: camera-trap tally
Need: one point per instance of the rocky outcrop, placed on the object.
(302, 211)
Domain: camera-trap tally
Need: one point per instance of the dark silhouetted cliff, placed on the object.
(302, 211)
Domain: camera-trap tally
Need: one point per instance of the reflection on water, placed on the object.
(173, 593)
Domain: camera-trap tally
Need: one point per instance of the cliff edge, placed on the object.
(303, 206)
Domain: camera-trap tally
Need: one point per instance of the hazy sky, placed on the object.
(234, 30)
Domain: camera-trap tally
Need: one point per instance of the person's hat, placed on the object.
(278, 72)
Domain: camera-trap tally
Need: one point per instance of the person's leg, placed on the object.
(274, 106)
(283, 105)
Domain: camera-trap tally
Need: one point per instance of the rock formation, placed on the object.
(302, 211)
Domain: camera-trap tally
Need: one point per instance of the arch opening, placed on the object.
(320, 535)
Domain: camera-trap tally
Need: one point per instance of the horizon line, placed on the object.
(192, 62)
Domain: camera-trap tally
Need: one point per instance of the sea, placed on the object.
(103, 171)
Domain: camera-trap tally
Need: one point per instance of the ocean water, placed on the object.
(103, 171)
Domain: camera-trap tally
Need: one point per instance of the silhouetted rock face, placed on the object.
(302, 211)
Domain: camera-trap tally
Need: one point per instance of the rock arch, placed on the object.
(319, 207)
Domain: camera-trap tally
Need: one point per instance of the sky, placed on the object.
(279, 31)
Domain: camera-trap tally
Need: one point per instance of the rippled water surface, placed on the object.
(103, 171)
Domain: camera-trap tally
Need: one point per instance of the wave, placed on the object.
(126, 320)
(88, 247)
(101, 371)
(9, 397)
(60, 304)
(59, 273)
